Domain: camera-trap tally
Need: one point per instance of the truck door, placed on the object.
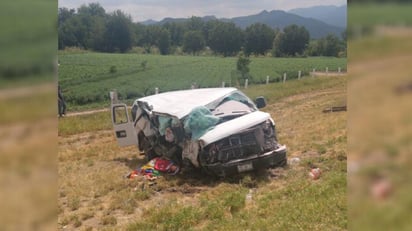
(122, 124)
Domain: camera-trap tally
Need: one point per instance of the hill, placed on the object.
(332, 15)
(274, 19)
(280, 19)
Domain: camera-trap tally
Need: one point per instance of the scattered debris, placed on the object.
(151, 170)
(381, 189)
(165, 165)
(276, 173)
(133, 174)
(294, 161)
(314, 173)
(404, 88)
(249, 197)
(353, 167)
(334, 109)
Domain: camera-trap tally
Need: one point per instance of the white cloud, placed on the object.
(141, 10)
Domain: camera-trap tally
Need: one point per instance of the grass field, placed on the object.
(367, 18)
(28, 42)
(86, 78)
(94, 195)
(379, 14)
(380, 125)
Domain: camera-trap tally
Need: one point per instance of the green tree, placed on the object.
(64, 14)
(176, 31)
(96, 27)
(331, 45)
(207, 28)
(164, 42)
(242, 66)
(225, 38)
(72, 33)
(83, 29)
(139, 34)
(327, 46)
(194, 24)
(152, 35)
(193, 42)
(314, 48)
(93, 9)
(119, 32)
(343, 44)
(92, 17)
(258, 39)
(292, 41)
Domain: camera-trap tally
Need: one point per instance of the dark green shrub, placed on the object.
(113, 69)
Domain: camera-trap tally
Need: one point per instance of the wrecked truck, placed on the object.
(219, 130)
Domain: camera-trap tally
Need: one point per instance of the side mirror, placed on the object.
(260, 102)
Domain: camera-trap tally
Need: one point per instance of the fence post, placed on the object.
(156, 90)
(113, 96)
(338, 69)
(299, 74)
(223, 83)
(327, 71)
(313, 72)
(267, 79)
(246, 82)
(284, 77)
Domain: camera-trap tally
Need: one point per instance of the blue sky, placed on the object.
(142, 10)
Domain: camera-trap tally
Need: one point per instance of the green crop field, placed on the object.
(379, 14)
(28, 42)
(86, 77)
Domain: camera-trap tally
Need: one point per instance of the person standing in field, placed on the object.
(61, 103)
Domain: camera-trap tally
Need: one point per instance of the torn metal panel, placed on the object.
(142, 123)
(191, 151)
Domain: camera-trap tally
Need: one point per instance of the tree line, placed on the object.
(92, 28)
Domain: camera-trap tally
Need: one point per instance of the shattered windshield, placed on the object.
(204, 118)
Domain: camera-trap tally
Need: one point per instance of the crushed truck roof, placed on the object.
(180, 103)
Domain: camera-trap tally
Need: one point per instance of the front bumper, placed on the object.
(273, 158)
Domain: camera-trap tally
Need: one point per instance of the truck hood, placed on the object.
(234, 126)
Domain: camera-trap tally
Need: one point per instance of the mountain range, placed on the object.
(318, 20)
(333, 15)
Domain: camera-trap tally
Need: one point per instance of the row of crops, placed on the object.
(86, 78)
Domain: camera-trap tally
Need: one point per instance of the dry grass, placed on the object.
(380, 133)
(28, 147)
(93, 189)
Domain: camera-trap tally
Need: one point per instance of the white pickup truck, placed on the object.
(219, 130)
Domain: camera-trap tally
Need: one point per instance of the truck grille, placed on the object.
(238, 147)
(254, 141)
